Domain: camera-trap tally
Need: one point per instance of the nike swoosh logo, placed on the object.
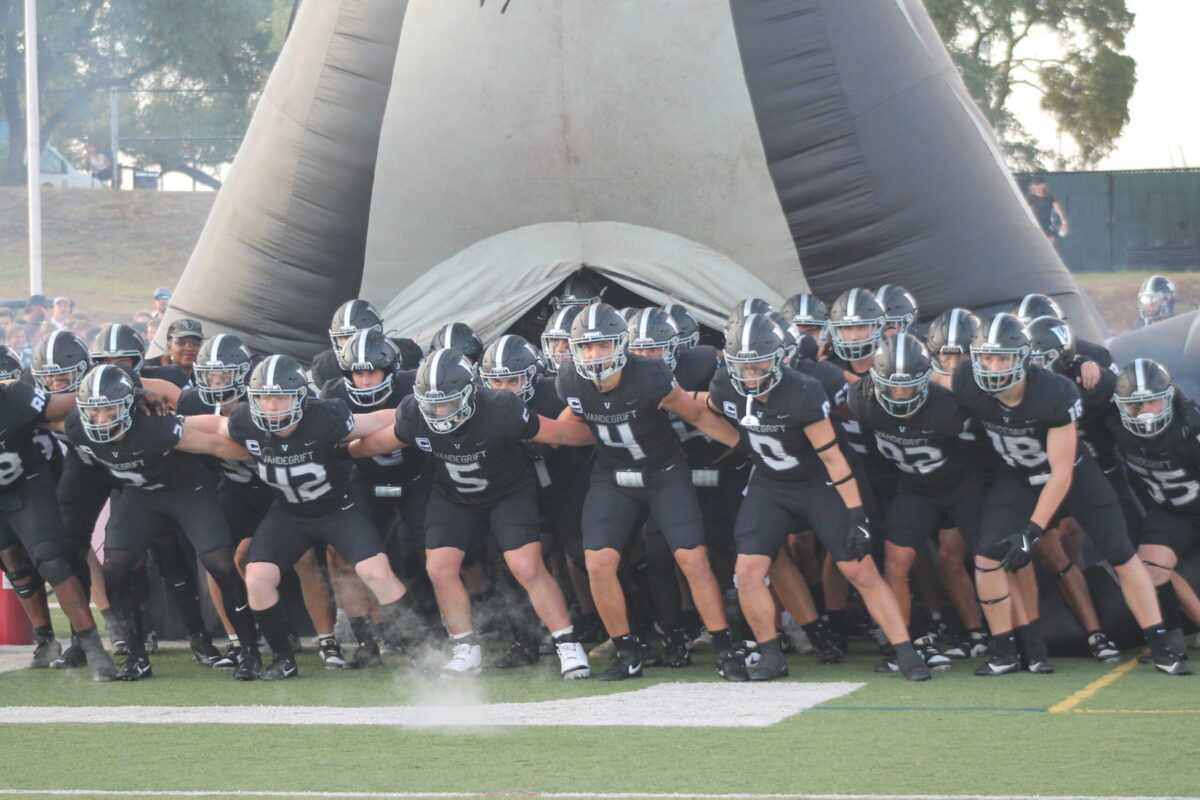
(347, 508)
(240, 609)
(666, 469)
(309, 444)
(633, 668)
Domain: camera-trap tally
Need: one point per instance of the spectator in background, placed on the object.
(152, 329)
(60, 314)
(1046, 210)
(45, 329)
(36, 309)
(142, 317)
(6, 318)
(184, 338)
(99, 164)
(18, 340)
(162, 299)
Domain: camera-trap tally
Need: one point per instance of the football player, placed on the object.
(1030, 415)
(482, 478)
(1156, 430)
(640, 466)
(298, 446)
(350, 317)
(1155, 300)
(801, 481)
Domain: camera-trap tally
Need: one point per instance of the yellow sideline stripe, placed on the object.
(1093, 687)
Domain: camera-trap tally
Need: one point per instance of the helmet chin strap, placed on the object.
(749, 419)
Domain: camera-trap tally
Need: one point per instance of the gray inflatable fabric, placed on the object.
(283, 245)
(696, 151)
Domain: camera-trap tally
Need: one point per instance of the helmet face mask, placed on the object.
(654, 334)
(595, 362)
(220, 385)
(367, 361)
(371, 394)
(754, 355)
(350, 318)
(900, 375)
(276, 393)
(10, 364)
(116, 342)
(1000, 353)
(105, 411)
(1145, 398)
(59, 363)
(556, 338)
(951, 335)
(511, 364)
(445, 413)
(899, 309)
(855, 340)
(689, 329)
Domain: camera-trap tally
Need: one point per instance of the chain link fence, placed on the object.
(1139, 220)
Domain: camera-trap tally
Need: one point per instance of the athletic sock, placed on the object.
(43, 633)
(272, 622)
(722, 641)
(771, 647)
(627, 644)
(1168, 604)
(1029, 638)
(364, 631)
(564, 636)
(1156, 637)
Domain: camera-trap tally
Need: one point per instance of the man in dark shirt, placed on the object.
(1046, 210)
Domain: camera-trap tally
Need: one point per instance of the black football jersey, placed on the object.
(1164, 470)
(143, 459)
(22, 407)
(1018, 434)
(390, 469)
(694, 372)
(830, 376)
(561, 463)
(238, 473)
(926, 449)
(309, 471)
(171, 373)
(776, 442)
(631, 431)
(483, 460)
(1097, 353)
(1097, 403)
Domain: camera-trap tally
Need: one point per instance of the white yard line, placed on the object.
(458, 705)
(581, 795)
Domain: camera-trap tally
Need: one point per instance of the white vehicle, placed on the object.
(58, 172)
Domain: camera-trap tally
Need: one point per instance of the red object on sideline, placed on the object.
(14, 625)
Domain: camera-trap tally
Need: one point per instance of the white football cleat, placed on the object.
(466, 660)
(573, 661)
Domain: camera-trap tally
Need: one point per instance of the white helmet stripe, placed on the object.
(362, 349)
(1139, 368)
(347, 316)
(272, 362)
(433, 370)
(50, 347)
(645, 326)
(112, 338)
(215, 349)
(994, 332)
(952, 333)
(592, 315)
(500, 345)
(901, 351)
(852, 303)
(97, 376)
(746, 327)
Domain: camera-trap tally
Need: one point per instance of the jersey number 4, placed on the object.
(621, 436)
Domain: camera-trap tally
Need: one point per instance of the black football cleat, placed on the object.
(281, 667)
(48, 651)
(519, 654)
(135, 668)
(203, 651)
(1172, 662)
(732, 668)
(367, 656)
(771, 665)
(249, 667)
(627, 664)
(999, 664)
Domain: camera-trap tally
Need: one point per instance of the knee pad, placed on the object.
(27, 590)
(56, 570)
(1059, 575)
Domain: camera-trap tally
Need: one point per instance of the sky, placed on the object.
(1164, 125)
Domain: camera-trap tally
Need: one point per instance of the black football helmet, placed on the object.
(10, 364)
(744, 308)
(1051, 343)
(351, 317)
(791, 335)
(105, 403)
(950, 334)
(808, 313)
(277, 376)
(461, 337)
(367, 351)
(899, 307)
(628, 312)
(599, 322)
(445, 390)
(1144, 381)
(556, 338)
(856, 308)
(1156, 299)
(689, 328)
(579, 290)
(807, 348)
(755, 355)
(1036, 305)
(654, 329)
(1003, 334)
(221, 368)
(510, 357)
(60, 353)
(119, 341)
(901, 367)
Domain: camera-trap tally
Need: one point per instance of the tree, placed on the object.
(190, 62)
(1085, 88)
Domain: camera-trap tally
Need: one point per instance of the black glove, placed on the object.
(1019, 546)
(858, 537)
